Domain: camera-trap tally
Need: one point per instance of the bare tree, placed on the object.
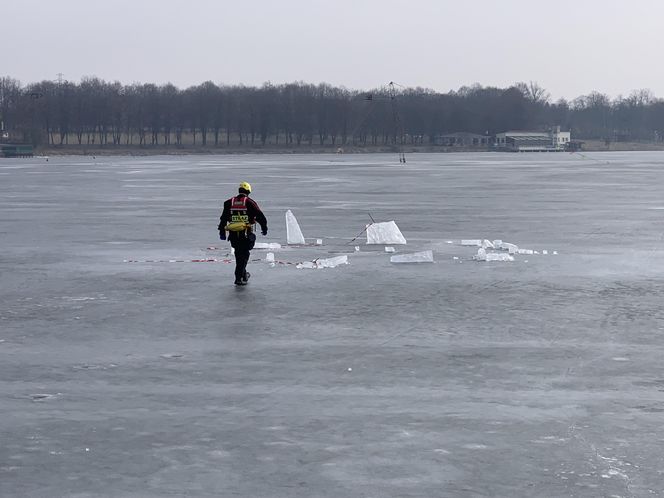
(533, 92)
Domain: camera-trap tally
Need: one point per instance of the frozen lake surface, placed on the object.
(538, 377)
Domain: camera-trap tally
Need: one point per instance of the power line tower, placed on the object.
(60, 78)
(390, 95)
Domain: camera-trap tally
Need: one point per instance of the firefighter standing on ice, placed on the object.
(239, 215)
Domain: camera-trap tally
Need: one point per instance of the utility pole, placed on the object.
(2, 122)
(398, 127)
(3, 133)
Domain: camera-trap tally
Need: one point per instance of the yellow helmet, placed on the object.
(246, 186)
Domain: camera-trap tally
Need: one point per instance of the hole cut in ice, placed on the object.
(293, 232)
(43, 396)
(385, 233)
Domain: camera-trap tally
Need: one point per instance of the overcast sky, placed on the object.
(570, 47)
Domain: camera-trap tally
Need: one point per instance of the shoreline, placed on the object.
(113, 150)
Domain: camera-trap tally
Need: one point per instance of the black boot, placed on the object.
(245, 279)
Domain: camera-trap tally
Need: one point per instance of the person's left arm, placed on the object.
(258, 215)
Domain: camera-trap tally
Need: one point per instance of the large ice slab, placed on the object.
(493, 256)
(293, 232)
(414, 257)
(506, 246)
(482, 255)
(385, 233)
(318, 264)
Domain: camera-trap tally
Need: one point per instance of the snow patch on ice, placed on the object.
(615, 472)
(471, 242)
(83, 298)
(92, 366)
(389, 249)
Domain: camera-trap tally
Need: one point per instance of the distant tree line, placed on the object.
(95, 112)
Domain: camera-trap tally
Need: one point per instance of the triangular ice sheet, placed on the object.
(293, 232)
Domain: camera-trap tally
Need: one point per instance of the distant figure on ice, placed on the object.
(239, 215)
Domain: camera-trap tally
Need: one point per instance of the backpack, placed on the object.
(239, 215)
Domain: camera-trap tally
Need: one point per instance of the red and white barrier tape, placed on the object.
(209, 260)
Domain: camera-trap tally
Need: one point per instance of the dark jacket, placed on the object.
(253, 211)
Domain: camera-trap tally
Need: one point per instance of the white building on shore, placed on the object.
(533, 141)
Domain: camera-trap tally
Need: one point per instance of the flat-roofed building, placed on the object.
(533, 141)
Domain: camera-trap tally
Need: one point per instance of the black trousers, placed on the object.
(243, 244)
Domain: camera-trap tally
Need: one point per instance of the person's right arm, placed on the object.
(223, 220)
